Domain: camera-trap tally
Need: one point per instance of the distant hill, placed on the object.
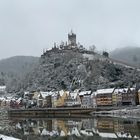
(15, 68)
(18, 65)
(130, 55)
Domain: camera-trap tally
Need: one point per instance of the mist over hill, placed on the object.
(13, 69)
(18, 64)
(130, 55)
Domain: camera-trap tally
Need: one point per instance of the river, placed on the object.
(88, 128)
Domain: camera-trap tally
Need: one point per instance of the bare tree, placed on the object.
(92, 48)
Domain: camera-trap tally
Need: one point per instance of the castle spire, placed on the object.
(54, 45)
(71, 31)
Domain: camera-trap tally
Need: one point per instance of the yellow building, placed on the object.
(114, 98)
(60, 102)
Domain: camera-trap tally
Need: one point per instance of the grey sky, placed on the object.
(28, 26)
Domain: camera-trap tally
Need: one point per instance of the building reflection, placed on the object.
(95, 128)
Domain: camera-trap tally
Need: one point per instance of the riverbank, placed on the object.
(130, 112)
(50, 112)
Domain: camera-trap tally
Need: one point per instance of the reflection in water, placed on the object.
(76, 129)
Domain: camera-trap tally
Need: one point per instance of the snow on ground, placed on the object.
(7, 138)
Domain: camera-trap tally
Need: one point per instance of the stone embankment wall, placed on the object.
(3, 114)
(4, 121)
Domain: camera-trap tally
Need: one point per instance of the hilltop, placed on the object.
(70, 70)
(69, 66)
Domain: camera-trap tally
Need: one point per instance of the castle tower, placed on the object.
(72, 39)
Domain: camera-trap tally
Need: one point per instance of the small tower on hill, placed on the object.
(72, 39)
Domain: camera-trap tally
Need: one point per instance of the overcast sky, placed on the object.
(29, 26)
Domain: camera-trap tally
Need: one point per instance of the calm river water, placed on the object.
(90, 128)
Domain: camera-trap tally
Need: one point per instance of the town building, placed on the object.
(60, 98)
(86, 100)
(2, 89)
(104, 97)
(128, 96)
(117, 97)
(73, 99)
(93, 98)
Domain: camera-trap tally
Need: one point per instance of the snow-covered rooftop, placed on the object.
(61, 92)
(2, 88)
(45, 94)
(105, 91)
(125, 135)
(84, 93)
(73, 95)
(122, 90)
(4, 137)
(107, 135)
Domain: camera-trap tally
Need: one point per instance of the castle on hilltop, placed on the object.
(71, 44)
